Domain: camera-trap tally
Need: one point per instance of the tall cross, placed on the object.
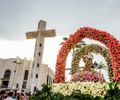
(41, 30)
(39, 35)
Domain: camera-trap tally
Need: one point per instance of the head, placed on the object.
(2, 92)
(10, 94)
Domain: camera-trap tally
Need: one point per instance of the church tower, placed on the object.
(40, 36)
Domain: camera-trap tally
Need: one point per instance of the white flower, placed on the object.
(95, 89)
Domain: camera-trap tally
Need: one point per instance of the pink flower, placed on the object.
(110, 42)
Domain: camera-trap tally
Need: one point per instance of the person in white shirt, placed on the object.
(9, 97)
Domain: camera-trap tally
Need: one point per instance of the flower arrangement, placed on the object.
(96, 89)
(108, 40)
(95, 48)
(87, 76)
(93, 88)
(105, 91)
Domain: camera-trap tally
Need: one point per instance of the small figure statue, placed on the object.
(88, 61)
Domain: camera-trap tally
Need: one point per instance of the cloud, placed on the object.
(18, 17)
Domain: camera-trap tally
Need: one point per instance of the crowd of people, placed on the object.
(13, 95)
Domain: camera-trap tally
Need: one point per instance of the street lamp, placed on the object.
(14, 76)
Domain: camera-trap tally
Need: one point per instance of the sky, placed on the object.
(65, 16)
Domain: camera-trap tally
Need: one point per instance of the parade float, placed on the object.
(88, 81)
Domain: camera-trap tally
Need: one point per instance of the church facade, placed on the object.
(17, 73)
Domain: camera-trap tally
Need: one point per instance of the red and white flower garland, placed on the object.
(108, 40)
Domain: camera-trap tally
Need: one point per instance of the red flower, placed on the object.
(111, 43)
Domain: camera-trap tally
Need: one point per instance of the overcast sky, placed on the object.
(66, 16)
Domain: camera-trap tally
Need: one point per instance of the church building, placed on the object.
(16, 73)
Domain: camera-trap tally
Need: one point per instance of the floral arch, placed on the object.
(95, 48)
(108, 40)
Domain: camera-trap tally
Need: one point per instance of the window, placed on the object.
(7, 74)
(17, 85)
(35, 89)
(40, 45)
(24, 85)
(47, 79)
(26, 74)
(39, 53)
(6, 78)
(36, 76)
(37, 64)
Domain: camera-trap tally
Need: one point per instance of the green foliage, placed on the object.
(77, 95)
(113, 93)
(65, 38)
(58, 96)
(46, 94)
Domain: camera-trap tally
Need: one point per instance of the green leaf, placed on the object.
(65, 38)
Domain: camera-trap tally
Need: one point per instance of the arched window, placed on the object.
(25, 79)
(26, 74)
(17, 85)
(7, 74)
(6, 78)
